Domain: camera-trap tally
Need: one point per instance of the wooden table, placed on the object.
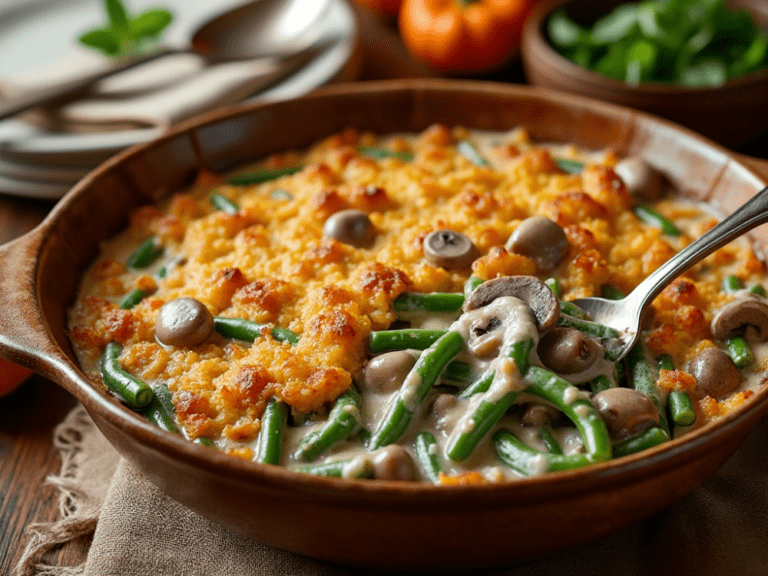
(29, 415)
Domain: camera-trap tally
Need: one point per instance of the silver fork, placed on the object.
(625, 315)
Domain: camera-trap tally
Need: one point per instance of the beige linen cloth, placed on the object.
(720, 529)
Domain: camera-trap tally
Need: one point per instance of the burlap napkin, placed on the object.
(719, 529)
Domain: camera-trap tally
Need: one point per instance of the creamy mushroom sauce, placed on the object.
(452, 420)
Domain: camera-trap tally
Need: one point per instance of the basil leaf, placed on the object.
(118, 17)
(150, 23)
(101, 39)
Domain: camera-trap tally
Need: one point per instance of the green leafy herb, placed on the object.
(696, 43)
(124, 35)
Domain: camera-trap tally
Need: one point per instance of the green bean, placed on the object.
(363, 436)
(457, 371)
(470, 152)
(758, 290)
(137, 295)
(571, 309)
(263, 175)
(555, 286)
(681, 408)
(569, 166)
(342, 421)
(383, 340)
(738, 347)
(415, 388)
(740, 351)
(473, 427)
(528, 461)
(487, 413)
(133, 391)
(378, 153)
(427, 452)
(203, 441)
(732, 284)
(607, 335)
(248, 331)
(650, 216)
(221, 202)
(352, 468)
(580, 411)
(679, 403)
(470, 284)
(549, 441)
(147, 252)
(648, 439)
(160, 410)
(600, 383)
(132, 298)
(611, 292)
(643, 376)
(519, 351)
(429, 302)
(273, 422)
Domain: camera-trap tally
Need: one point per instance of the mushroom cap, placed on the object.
(540, 239)
(716, 374)
(449, 249)
(626, 411)
(183, 322)
(748, 315)
(640, 179)
(567, 350)
(353, 227)
(529, 289)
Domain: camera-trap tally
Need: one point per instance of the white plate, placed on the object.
(40, 34)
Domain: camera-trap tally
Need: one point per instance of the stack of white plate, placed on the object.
(43, 154)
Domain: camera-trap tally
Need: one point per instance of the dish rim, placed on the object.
(387, 493)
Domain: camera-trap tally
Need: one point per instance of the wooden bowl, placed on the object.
(731, 114)
(369, 523)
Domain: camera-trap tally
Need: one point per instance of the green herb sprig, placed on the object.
(125, 35)
(695, 43)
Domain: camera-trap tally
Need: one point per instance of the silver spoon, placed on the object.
(280, 29)
(625, 315)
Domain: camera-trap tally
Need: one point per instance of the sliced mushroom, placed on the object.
(183, 322)
(529, 289)
(352, 227)
(540, 239)
(449, 249)
(716, 374)
(626, 411)
(441, 410)
(386, 373)
(641, 179)
(393, 463)
(748, 315)
(485, 336)
(567, 350)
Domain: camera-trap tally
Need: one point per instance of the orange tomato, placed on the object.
(386, 7)
(11, 376)
(463, 35)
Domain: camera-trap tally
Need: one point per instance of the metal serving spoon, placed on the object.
(625, 315)
(279, 29)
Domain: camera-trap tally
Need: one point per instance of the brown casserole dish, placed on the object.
(351, 521)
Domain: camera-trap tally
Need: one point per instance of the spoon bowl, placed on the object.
(280, 30)
(625, 315)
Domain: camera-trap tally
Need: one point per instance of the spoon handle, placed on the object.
(71, 88)
(753, 213)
